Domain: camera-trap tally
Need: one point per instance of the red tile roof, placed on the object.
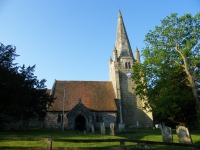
(95, 95)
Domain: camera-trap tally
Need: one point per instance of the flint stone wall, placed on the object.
(51, 119)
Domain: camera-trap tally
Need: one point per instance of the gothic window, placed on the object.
(129, 65)
(99, 118)
(92, 118)
(126, 66)
(60, 118)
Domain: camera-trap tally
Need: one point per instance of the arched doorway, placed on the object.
(80, 123)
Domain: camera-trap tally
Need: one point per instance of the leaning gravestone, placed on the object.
(92, 128)
(102, 128)
(183, 135)
(166, 134)
(112, 129)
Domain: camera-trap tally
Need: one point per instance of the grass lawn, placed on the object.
(142, 134)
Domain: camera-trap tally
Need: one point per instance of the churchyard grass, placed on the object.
(141, 134)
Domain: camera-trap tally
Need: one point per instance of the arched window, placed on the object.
(97, 118)
(126, 66)
(129, 65)
(60, 118)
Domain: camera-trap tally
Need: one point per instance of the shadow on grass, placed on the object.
(141, 134)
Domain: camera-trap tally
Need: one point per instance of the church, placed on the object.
(81, 104)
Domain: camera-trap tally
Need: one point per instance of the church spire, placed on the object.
(122, 43)
(137, 55)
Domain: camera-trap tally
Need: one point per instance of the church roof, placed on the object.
(95, 95)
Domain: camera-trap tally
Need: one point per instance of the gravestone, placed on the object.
(121, 127)
(102, 128)
(137, 124)
(183, 135)
(92, 128)
(166, 134)
(112, 129)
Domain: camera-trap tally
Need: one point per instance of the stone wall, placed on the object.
(23, 125)
(107, 118)
(51, 119)
(132, 106)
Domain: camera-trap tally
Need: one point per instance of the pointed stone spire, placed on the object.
(115, 54)
(122, 42)
(111, 59)
(137, 55)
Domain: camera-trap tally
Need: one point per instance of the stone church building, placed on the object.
(87, 103)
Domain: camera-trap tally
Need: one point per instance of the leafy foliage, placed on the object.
(162, 81)
(23, 96)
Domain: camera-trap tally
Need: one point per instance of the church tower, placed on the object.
(130, 110)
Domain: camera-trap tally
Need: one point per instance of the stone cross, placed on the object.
(112, 129)
(183, 135)
(102, 128)
(166, 134)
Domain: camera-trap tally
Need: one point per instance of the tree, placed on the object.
(23, 96)
(169, 77)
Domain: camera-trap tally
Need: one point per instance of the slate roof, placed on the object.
(95, 95)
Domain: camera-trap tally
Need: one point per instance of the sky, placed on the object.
(74, 39)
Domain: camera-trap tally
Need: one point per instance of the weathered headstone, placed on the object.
(102, 128)
(183, 135)
(166, 134)
(121, 127)
(112, 129)
(92, 128)
(90, 123)
(137, 123)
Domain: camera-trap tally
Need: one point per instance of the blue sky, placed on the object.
(74, 39)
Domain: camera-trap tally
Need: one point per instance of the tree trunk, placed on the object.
(190, 77)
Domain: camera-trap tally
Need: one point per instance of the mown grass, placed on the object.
(142, 134)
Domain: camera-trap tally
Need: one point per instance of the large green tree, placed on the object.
(168, 79)
(22, 95)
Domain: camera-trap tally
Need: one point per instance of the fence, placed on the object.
(121, 141)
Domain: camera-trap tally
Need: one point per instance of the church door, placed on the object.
(80, 123)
